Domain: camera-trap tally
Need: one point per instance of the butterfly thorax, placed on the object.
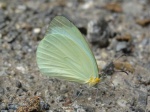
(92, 81)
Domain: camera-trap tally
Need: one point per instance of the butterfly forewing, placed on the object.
(64, 53)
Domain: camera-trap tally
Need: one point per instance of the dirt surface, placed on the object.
(112, 27)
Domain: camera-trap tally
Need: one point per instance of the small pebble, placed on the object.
(18, 84)
(99, 32)
(121, 45)
(20, 92)
(3, 106)
(3, 5)
(60, 99)
(122, 103)
(12, 106)
(44, 106)
(37, 30)
(2, 91)
(4, 111)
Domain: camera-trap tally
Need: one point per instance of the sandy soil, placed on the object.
(112, 27)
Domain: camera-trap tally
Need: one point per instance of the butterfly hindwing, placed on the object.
(65, 54)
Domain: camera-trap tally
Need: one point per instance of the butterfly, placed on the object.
(64, 53)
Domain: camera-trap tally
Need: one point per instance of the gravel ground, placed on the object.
(112, 27)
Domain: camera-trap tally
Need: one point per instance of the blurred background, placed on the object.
(112, 27)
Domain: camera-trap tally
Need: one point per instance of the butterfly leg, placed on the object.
(78, 95)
